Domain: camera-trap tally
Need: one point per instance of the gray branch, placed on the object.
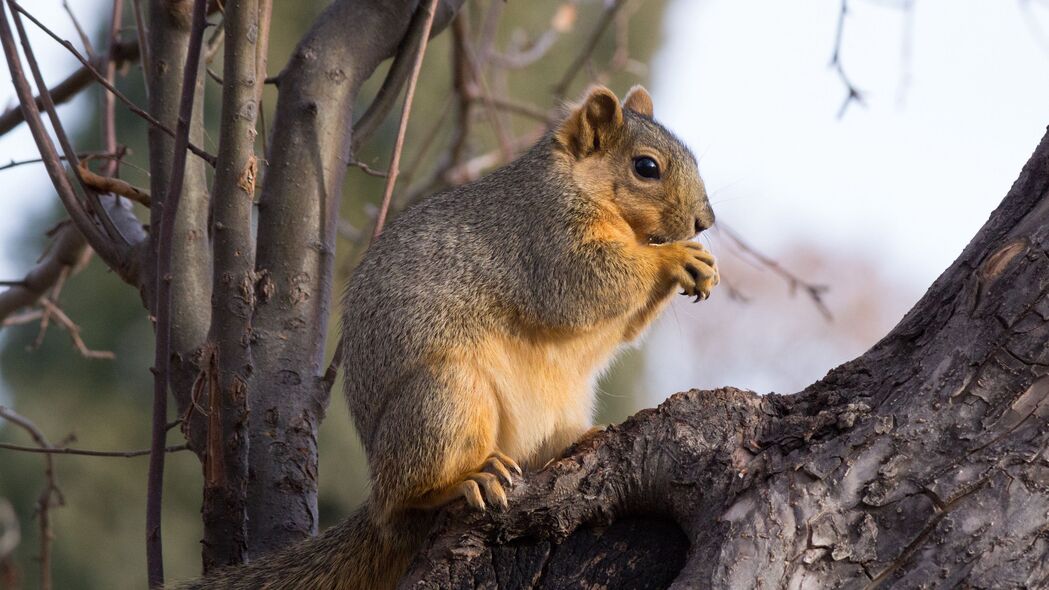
(921, 463)
(298, 213)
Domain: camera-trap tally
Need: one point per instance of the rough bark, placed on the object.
(922, 463)
(191, 262)
(298, 210)
(229, 350)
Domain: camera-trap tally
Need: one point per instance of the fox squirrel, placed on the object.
(475, 328)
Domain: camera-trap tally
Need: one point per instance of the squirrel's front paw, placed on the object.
(697, 271)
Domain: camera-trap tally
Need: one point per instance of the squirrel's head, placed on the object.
(617, 150)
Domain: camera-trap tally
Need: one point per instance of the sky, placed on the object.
(956, 96)
(23, 186)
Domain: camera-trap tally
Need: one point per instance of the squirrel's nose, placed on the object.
(704, 222)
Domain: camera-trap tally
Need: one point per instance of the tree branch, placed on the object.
(402, 128)
(113, 255)
(297, 220)
(65, 252)
(226, 459)
(165, 241)
(561, 89)
(875, 476)
(50, 496)
(169, 42)
(88, 452)
(67, 89)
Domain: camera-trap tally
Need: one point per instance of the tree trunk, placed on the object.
(922, 463)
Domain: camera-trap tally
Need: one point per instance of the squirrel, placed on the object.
(475, 327)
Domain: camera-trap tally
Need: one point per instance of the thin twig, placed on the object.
(49, 497)
(84, 38)
(143, 41)
(119, 242)
(74, 332)
(588, 49)
(109, 117)
(852, 93)
(403, 127)
(162, 303)
(56, 291)
(87, 452)
(367, 169)
(65, 90)
(207, 157)
(80, 156)
(794, 282)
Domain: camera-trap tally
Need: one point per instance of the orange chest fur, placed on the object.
(544, 386)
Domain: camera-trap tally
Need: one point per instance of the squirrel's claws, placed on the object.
(472, 492)
(494, 465)
(506, 460)
(493, 490)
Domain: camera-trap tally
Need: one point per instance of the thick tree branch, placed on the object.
(298, 213)
(226, 459)
(921, 463)
(165, 240)
(191, 262)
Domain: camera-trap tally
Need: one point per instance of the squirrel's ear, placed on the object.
(591, 124)
(639, 101)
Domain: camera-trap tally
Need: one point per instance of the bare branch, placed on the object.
(395, 160)
(80, 156)
(162, 305)
(109, 125)
(228, 353)
(117, 249)
(64, 253)
(51, 496)
(74, 332)
(116, 186)
(852, 93)
(794, 282)
(143, 42)
(94, 73)
(87, 452)
(80, 216)
(84, 38)
(71, 86)
(588, 49)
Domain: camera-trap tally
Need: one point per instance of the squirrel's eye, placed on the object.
(646, 167)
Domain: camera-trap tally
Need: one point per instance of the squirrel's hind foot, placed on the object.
(481, 488)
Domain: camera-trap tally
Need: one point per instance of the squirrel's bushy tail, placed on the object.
(359, 553)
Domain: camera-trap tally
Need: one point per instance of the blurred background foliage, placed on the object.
(105, 404)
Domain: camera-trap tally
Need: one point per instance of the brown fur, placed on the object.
(476, 327)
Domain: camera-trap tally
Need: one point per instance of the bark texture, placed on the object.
(295, 259)
(922, 463)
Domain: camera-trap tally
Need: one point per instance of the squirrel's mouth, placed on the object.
(658, 240)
